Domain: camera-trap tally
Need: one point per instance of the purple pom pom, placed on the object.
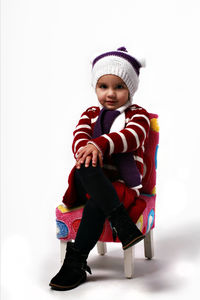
(122, 49)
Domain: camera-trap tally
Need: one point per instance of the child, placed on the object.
(108, 147)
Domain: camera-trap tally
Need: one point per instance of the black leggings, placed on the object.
(104, 199)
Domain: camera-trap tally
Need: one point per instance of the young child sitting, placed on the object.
(108, 147)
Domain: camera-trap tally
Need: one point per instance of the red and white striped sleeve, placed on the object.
(82, 133)
(128, 139)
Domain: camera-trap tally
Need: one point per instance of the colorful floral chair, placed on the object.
(68, 220)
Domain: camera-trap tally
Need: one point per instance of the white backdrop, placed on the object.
(46, 50)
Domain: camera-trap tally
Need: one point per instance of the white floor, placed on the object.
(29, 264)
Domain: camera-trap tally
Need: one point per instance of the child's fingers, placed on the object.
(82, 156)
(78, 164)
(94, 158)
(100, 159)
(86, 154)
(85, 151)
(82, 159)
(81, 153)
(87, 161)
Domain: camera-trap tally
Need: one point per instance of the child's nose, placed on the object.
(111, 93)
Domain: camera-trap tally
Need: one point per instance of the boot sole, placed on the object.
(133, 242)
(67, 287)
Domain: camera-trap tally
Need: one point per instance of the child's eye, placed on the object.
(103, 86)
(120, 86)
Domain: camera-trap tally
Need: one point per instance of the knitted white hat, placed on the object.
(118, 63)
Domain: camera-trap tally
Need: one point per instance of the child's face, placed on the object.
(111, 91)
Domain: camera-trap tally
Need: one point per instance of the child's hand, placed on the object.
(86, 154)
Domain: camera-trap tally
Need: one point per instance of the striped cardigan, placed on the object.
(129, 139)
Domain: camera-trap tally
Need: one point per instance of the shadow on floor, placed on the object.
(174, 247)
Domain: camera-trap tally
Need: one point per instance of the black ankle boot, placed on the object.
(123, 226)
(73, 270)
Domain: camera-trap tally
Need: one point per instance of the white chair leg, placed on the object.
(101, 248)
(129, 255)
(63, 245)
(148, 245)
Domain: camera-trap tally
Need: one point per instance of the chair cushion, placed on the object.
(68, 220)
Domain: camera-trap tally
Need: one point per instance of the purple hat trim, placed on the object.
(135, 64)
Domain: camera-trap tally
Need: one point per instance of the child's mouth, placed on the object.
(111, 102)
